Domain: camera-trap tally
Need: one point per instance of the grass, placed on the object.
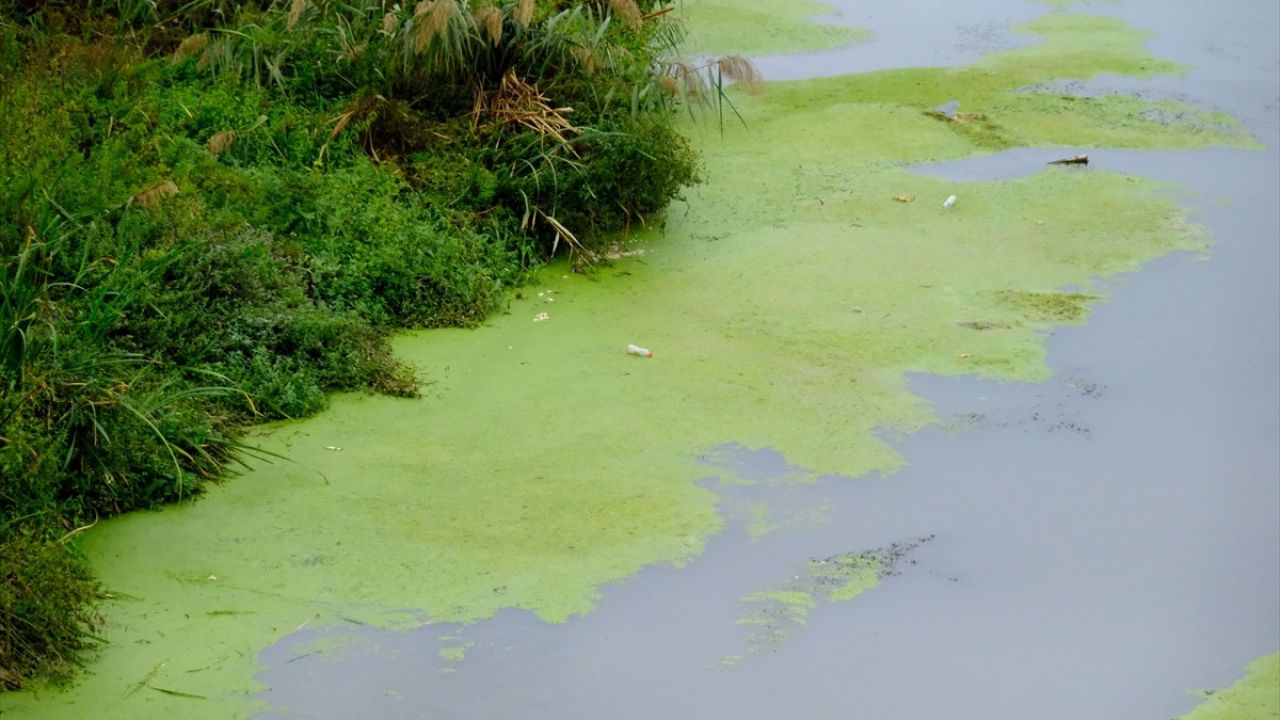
(215, 213)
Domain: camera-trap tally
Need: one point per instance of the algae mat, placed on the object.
(722, 27)
(1256, 696)
(784, 302)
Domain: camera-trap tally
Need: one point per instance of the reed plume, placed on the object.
(430, 19)
(489, 19)
(628, 11)
(191, 46)
(295, 12)
(156, 194)
(220, 142)
(524, 12)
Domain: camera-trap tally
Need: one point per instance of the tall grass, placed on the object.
(84, 431)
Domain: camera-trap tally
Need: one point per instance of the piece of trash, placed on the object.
(904, 197)
(1077, 160)
(637, 350)
(213, 577)
(335, 448)
(541, 316)
(951, 200)
(948, 110)
(965, 356)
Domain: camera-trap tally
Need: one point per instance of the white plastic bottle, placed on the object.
(951, 200)
(637, 350)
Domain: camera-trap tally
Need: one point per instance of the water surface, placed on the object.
(1084, 512)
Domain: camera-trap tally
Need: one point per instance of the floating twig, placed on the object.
(146, 679)
(178, 693)
(1077, 160)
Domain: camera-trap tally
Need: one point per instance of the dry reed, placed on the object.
(220, 142)
(516, 101)
(741, 71)
(489, 19)
(524, 13)
(389, 23)
(430, 19)
(586, 57)
(156, 194)
(628, 11)
(191, 46)
(296, 9)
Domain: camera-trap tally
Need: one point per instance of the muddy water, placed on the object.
(1093, 543)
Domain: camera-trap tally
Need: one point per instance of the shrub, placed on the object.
(47, 617)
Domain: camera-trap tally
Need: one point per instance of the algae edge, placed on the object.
(395, 529)
(1256, 696)
(772, 616)
(719, 27)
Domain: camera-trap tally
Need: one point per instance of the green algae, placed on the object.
(1049, 308)
(773, 615)
(726, 662)
(758, 524)
(1087, 45)
(794, 604)
(454, 653)
(783, 305)
(1256, 696)
(845, 577)
(721, 27)
(762, 520)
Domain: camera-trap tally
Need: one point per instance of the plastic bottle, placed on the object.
(951, 200)
(637, 350)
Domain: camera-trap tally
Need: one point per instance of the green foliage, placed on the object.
(622, 178)
(213, 213)
(47, 596)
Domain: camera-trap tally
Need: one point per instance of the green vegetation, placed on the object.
(214, 212)
(1256, 696)
(772, 615)
(764, 27)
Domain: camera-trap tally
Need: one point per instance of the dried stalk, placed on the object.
(191, 46)
(220, 142)
(296, 9)
(628, 11)
(154, 195)
(516, 101)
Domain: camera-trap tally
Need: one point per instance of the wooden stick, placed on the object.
(1077, 160)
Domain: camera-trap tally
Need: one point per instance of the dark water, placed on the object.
(1101, 542)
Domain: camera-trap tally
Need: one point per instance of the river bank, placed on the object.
(594, 471)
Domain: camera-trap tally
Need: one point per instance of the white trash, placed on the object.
(637, 350)
(951, 200)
